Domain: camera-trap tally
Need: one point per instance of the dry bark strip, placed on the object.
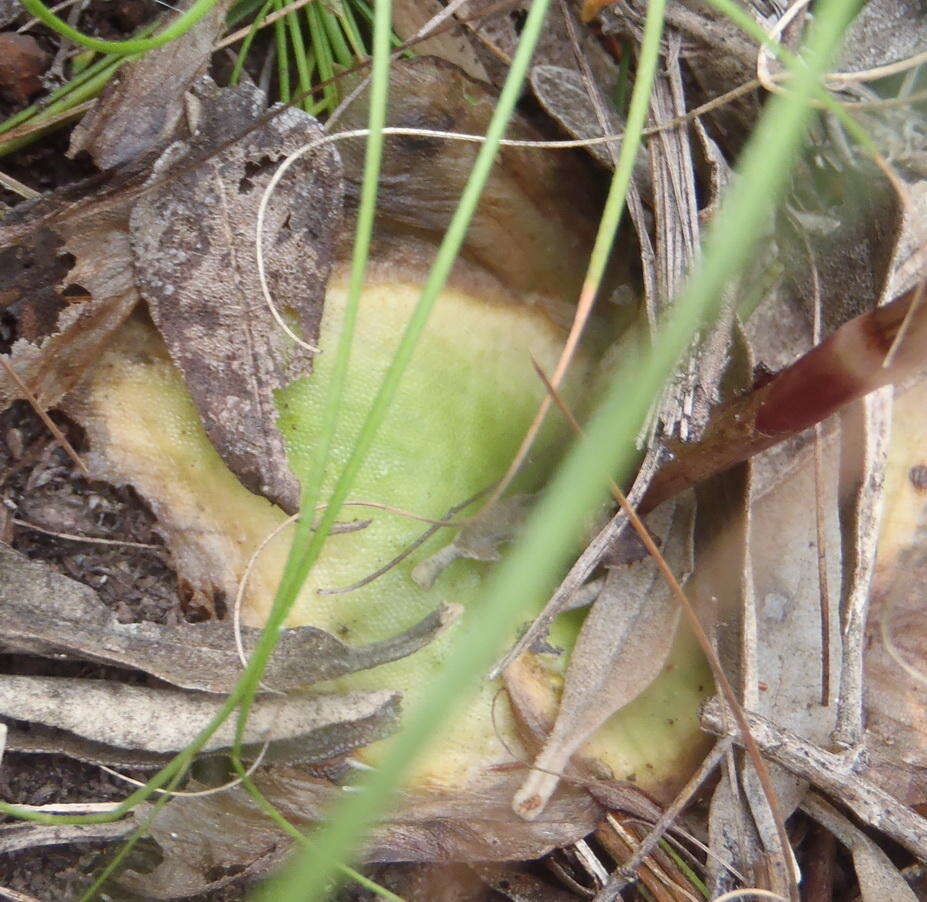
(46, 613)
(24, 835)
(194, 246)
(829, 772)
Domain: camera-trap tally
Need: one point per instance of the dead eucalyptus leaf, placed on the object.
(46, 613)
(784, 564)
(895, 694)
(563, 95)
(193, 239)
(140, 108)
(199, 836)
(69, 288)
(479, 540)
(167, 720)
(623, 645)
(878, 878)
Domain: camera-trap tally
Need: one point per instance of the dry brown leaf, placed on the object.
(455, 46)
(69, 288)
(623, 645)
(896, 699)
(539, 207)
(47, 613)
(199, 836)
(22, 62)
(167, 720)
(193, 238)
(140, 108)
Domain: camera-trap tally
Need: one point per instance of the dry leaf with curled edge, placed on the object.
(194, 243)
(140, 108)
(46, 613)
(68, 288)
(167, 720)
(621, 648)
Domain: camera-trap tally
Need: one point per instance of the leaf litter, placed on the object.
(46, 613)
(194, 251)
(857, 512)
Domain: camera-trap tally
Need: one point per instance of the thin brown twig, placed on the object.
(701, 636)
(44, 417)
(71, 537)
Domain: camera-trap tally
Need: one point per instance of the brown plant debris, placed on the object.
(194, 245)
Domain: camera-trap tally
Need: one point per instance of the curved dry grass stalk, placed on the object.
(747, 893)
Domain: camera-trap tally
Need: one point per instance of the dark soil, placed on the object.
(40, 485)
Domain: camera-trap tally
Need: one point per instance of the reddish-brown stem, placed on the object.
(845, 366)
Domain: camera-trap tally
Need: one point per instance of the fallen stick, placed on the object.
(829, 772)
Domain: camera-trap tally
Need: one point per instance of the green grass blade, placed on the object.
(336, 36)
(323, 53)
(294, 573)
(246, 44)
(349, 26)
(283, 56)
(304, 65)
(179, 26)
(529, 572)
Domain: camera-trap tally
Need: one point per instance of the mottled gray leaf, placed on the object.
(193, 238)
(883, 32)
(620, 650)
(47, 613)
(167, 720)
(140, 108)
(563, 95)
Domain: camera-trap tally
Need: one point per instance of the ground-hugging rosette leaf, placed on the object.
(46, 613)
(194, 242)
